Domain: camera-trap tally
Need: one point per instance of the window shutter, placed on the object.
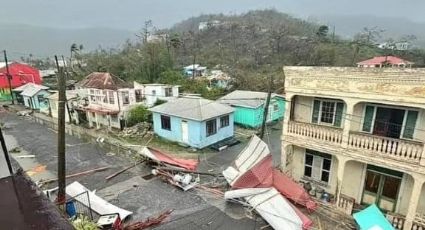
(316, 108)
(409, 128)
(338, 114)
(368, 118)
(317, 166)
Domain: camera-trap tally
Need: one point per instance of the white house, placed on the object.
(151, 93)
(108, 98)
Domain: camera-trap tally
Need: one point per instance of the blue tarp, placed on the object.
(372, 218)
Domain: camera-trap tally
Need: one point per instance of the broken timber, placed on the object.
(124, 169)
(175, 169)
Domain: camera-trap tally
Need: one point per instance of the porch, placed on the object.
(362, 144)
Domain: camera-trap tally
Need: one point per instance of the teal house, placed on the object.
(34, 96)
(249, 107)
(193, 121)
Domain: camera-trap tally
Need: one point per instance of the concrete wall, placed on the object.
(197, 131)
(302, 108)
(297, 166)
(353, 180)
(4, 170)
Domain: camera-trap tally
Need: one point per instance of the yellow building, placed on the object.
(359, 134)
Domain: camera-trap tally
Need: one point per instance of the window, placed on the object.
(317, 166)
(105, 96)
(327, 112)
(168, 92)
(153, 92)
(111, 97)
(211, 127)
(224, 121)
(165, 122)
(114, 118)
(276, 107)
(139, 96)
(125, 97)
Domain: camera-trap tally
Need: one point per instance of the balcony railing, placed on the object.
(318, 132)
(389, 147)
(366, 144)
(398, 222)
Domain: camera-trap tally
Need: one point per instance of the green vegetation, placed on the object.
(138, 114)
(84, 223)
(250, 47)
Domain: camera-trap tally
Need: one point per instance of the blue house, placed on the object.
(193, 121)
(35, 96)
(249, 107)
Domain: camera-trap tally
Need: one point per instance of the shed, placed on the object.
(193, 121)
(249, 107)
(35, 96)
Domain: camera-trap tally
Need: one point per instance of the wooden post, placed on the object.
(266, 108)
(61, 136)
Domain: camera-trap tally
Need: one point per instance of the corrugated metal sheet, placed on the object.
(103, 80)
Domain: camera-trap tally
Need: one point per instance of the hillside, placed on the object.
(22, 40)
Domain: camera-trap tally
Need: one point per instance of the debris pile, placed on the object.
(139, 130)
(25, 113)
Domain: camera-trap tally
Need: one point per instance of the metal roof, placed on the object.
(250, 99)
(23, 87)
(193, 108)
(103, 80)
(32, 89)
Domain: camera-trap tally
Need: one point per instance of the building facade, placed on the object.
(249, 107)
(195, 122)
(151, 93)
(359, 134)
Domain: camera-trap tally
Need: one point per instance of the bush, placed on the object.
(137, 115)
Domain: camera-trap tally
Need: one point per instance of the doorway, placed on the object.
(382, 187)
(388, 122)
(185, 132)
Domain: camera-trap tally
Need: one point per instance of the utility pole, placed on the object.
(61, 135)
(9, 76)
(266, 107)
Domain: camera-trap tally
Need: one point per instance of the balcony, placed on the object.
(360, 143)
(398, 149)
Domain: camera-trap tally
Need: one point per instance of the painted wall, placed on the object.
(54, 109)
(253, 117)
(297, 166)
(35, 104)
(197, 131)
(353, 180)
(303, 108)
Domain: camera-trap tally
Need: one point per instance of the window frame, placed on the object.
(319, 118)
(165, 120)
(111, 96)
(208, 134)
(323, 156)
(226, 120)
(124, 95)
(403, 126)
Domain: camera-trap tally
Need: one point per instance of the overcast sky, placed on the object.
(130, 14)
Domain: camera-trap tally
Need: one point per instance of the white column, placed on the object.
(340, 173)
(414, 200)
(287, 116)
(422, 162)
(347, 118)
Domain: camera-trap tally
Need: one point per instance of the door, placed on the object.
(381, 189)
(388, 122)
(185, 132)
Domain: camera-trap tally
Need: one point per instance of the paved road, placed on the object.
(144, 197)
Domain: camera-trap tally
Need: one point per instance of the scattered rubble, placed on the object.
(25, 113)
(139, 130)
(151, 221)
(15, 150)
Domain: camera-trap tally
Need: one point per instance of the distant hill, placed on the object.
(349, 25)
(21, 40)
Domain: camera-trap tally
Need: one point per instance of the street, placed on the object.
(144, 197)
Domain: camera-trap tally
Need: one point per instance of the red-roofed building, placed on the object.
(385, 61)
(21, 74)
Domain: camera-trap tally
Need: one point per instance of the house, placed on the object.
(401, 46)
(195, 70)
(154, 92)
(385, 61)
(359, 135)
(108, 99)
(53, 100)
(193, 121)
(249, 107)
(33, 96)
(20, 75)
